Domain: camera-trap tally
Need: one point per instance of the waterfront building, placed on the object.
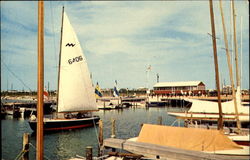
(227, 89)
(180, 88)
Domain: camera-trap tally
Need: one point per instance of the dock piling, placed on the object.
(100, 137)
(25, 146)
(88, 153)
(160, 120)
(113, 129)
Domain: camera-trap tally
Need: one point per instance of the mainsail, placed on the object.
(76, 92)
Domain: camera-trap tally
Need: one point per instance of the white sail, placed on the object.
(76, 92)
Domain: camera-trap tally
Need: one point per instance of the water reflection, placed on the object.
(67, 144)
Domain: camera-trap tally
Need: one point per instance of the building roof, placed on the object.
(178, 84)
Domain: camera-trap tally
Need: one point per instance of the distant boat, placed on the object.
(76, 98)
(112, 103)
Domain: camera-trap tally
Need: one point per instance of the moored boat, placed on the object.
(76, 99)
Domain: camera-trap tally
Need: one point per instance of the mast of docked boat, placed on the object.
(59, 64)
(220, 120)
(235, 47)
(236, 63)
(40, 82)
(241, 49)
(230, 68)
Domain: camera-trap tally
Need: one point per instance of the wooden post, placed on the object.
(160, 120)
(113, 129)
(220, 120)
(141, 125)
(100, 137)
(40, 82)
(88, 153)
(26, 146)
(185, 123)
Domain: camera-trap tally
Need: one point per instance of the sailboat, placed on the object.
(207, 111)
(167, 142)
(76, 99)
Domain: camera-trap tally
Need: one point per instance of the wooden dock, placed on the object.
(244, 98)
(162, 152)
(25, 108)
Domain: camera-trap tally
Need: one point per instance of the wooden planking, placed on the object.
(163, 152)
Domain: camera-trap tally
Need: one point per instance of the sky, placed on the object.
(121, 39)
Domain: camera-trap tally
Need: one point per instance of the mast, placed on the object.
(241, 49)
(7, 84)
(148, 90)
(220, 120)
(40, 82)
(58, 79)
(231, 34)
(230, 69)
(236, 47)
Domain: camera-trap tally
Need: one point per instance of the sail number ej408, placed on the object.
(76, 59)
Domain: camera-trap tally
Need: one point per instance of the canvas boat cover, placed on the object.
(186, 138)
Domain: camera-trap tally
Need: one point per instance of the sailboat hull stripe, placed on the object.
(65, 125)
(66, 128)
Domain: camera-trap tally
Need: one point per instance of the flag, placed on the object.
(149, 68)
(98, 91)
(115, 93)
(45, 95)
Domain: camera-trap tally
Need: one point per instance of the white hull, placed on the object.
(211, 116)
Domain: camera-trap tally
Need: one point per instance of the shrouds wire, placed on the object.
(16, 76)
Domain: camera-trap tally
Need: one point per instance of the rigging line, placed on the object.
(53, 27)
(34, 147)
(96, 134)
(15, 75)
(20, 155)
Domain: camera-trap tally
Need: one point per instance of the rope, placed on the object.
(35, 149)
(20, 154)
(32, 145)
(96, 134)
(173, 122)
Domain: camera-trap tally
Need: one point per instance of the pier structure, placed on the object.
(163, 152)
(143, 146)
(180, 88)
(25, 108)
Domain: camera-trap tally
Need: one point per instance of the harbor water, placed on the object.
(67, 144)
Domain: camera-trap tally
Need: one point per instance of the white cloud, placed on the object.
(124, 37)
